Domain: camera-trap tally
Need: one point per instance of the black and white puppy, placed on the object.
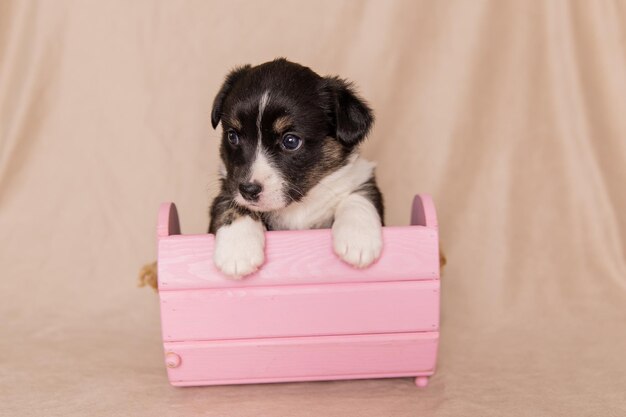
(290, 161)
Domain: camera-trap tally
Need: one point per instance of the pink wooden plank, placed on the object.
(300, 257)
(301, 358)
(300, 310)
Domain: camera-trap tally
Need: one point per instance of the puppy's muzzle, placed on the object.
(250, 190)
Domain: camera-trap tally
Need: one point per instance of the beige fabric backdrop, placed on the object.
(511, 114)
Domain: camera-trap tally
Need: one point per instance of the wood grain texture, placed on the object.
(303, 358)
(302, 310)
(300, 257)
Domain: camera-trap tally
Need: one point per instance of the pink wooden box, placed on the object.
(305, 315)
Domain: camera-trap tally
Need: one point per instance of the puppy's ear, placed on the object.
(350, 116)
(231, 79)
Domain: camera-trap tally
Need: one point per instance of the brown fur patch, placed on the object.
(334, 152)
(334, 156)
(282, 123)
(232, 121)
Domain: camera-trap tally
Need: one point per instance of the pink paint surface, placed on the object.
(320, 358)
(300, 257)
(313, 310)
(305, 315)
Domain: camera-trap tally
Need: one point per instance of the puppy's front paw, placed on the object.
(357, 246)
(239, 247)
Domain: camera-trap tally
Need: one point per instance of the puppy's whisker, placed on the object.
(294, 188)
(212, 187)
(214, 183)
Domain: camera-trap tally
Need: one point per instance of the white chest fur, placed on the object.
(317, 208)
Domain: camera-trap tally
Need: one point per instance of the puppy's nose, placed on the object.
(250, 190)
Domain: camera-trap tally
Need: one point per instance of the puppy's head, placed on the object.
(284, 129)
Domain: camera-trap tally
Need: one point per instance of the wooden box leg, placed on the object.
(421, 381)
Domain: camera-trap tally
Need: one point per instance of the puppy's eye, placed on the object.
(291, 142)
(233, 138)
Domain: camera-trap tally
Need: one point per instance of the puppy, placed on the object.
(290, 161)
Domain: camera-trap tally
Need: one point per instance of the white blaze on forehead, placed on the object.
(261, 168)
(262, 103)
(264, 172)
